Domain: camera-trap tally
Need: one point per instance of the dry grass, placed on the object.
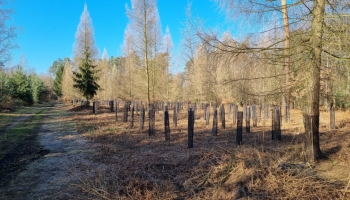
(127, 164)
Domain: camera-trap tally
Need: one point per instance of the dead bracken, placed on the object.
(128, 164)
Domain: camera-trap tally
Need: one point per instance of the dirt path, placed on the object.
(50, 176)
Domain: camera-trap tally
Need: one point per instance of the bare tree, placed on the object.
(156, 56)
(68, 91)
(304, 45)
(142, 16)
(287, 50)
(104, 73)
(84, 38)
(167, 49)
(176, 87)
(7, 33)
(129, 70)
(190, 45)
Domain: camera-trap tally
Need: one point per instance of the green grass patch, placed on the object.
(6, 119)
(22, 132)
(46, 104)
(111, 130)
(85, 128)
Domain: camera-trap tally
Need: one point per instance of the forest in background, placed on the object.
(217, 67)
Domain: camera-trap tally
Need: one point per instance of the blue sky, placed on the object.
(49, 26)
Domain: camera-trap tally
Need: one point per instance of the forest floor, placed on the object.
(132, 165)
(75, 154)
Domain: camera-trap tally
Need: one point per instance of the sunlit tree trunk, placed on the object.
(286, 51)
(312, 119)
(145, 40)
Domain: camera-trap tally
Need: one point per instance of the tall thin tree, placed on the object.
(68, 91)
(286, 50)
(143, 23)
(167, 48)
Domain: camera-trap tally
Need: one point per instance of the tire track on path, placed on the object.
(52, 175)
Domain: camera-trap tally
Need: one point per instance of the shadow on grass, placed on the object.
(333, 150)
(19, 147)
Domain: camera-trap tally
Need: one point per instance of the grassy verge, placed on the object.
(6, 119)
(22, 132)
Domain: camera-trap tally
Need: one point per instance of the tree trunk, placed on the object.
(214, 130)
(286, 51)
(145, 40)
(313, 151)
(239, 128)
(142, 117)
(166, 124)
(151, 119)
(190, 127)
(247, 119)
(131, 124)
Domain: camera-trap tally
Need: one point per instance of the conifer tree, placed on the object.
(20, 85)
(85, 54)
(57, 69)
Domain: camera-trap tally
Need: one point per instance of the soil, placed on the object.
(41, 167)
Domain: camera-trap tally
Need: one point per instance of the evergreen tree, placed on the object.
(37, 87)
(5, 88)
(20, 85)
(85, 54)
(57, 69)
(57, 84)
(85, 79)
